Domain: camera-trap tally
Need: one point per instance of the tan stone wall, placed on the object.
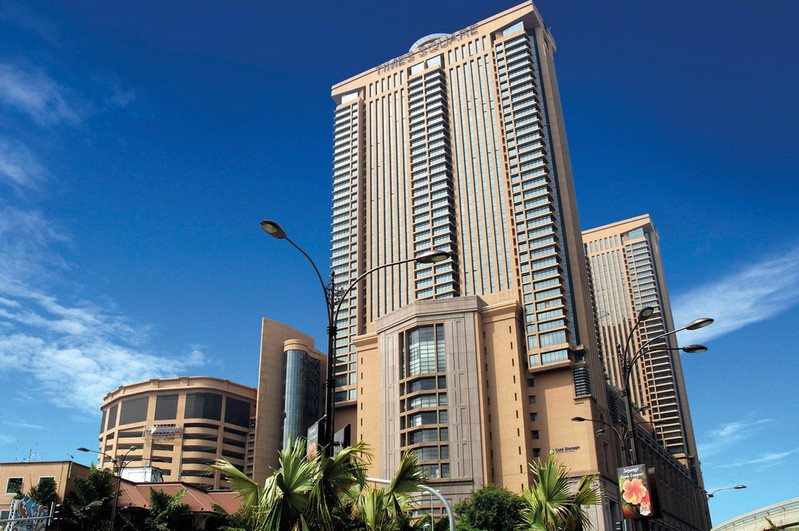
(172, 460)
(31, 472)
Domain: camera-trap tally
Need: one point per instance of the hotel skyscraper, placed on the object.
(628, 276)
(479, 362)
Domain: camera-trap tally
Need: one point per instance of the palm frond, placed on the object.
(249, 491)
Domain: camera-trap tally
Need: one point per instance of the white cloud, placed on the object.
(72, 352)
(755, 293)
(765, 459)
(729, 435)
(27, 254)
(18, 165)
(33, 92)
(23, 424)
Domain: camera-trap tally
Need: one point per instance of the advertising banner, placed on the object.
(636, 497)
(27, 508)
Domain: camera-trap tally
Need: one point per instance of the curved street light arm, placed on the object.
(710, 494)
(120, 462)
(361, 277)
(638, 322)
(608, 424)
(328, 299)
(641, 350)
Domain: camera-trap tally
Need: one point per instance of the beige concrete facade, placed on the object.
(459, 145)
(181, 425)
(28, 473)
(277, 341)
(477, 363)
(627, 273)
(178, 425)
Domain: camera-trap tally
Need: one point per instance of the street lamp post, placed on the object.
(333, 301)
(119, 465)
(711, 494)
(628, 362)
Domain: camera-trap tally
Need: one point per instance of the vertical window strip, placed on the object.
(372, 206)
(462, 175)
(403, 249)
(468, 88)
(538, 91)
(486, 195)
(497, 173)
(497, 196)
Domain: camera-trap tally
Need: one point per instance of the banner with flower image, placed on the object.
(636, 497)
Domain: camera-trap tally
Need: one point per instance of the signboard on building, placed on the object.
(25, 510)
(634, 489)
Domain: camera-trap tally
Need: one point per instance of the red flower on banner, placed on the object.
(634, 492)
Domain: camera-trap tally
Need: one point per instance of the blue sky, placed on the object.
(141, 143)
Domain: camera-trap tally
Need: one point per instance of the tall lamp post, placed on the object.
(711, 494)
(119, 465)
(333, 302)
(628, 362)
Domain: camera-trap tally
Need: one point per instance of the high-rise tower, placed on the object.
(627, 276)
(459, 145)
(476, 364)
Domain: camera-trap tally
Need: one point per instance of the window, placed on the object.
(534, 434)
(112, 417)
(203, 406)
(533, 417)
(427, 453)
(420, 436)
(552, 338)
(134, 410)
(531, 399)
(166, 407)
(237, 412)
(424, 350)
(422, 384)
(422, 401)
(420, 419)
(14, 485)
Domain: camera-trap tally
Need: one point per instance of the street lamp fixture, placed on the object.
(119, 466)
(628, 361)
(693, 349)
(334, 298)
(711, 494)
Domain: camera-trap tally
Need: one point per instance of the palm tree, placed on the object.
(551, 505)
(302, 493)
(384, 509)
(86, 504)
(166, 512)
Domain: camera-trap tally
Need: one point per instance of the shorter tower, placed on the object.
(627, 273)
(290, 394)
(182, 425)
(179, 425)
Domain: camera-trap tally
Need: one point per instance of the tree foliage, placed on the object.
(491, 508)
(323, 493)
(166, 512)
(388, 508)
(551, 503)
(45, 492)
(85, 506)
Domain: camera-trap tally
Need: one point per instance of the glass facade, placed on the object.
(423, 383)
(302, 401)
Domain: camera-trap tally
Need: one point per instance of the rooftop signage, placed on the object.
(427, 48)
